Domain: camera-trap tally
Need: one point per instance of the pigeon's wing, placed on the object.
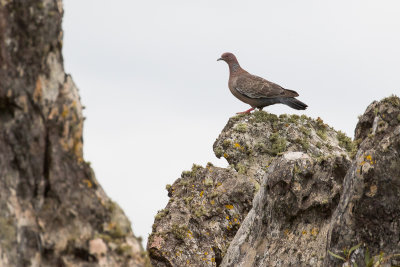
(256, 87)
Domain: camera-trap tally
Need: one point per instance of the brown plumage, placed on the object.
(256, 91)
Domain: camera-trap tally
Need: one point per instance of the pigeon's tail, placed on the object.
(294, 103)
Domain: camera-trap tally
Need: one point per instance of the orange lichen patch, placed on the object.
(212, 259)
(206, 253)
(226, 155)
(236, 145)
(368, 158)
(229, 207)
(314, 231)
(88, 183)
(304, 232)
(235, 220)
(201, 193)
(227, 217)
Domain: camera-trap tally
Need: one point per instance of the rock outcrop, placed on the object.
(53, 212)
(304, 161)
(369, 210)
(320, 199)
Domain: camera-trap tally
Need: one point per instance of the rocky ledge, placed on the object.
(296, 193)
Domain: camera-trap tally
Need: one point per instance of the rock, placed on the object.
(290, 217)
(206, 208)
(320, 199)
(251, 143)
(53, 212)
(202, 218)
(369, 212)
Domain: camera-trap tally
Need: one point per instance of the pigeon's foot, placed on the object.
(246, 112)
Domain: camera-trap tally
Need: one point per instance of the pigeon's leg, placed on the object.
(246, 112)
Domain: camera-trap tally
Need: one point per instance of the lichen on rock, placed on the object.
(53, 212)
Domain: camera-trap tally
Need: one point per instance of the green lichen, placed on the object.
(241, 169)
(199, 210)
(322, 134)
(345, 142)
(218, 152)
(161, 214)
(283, 116)
(208, 182)
(305, 131)
(168, 187)
(303, 142)
(261, 147)
(241, 128)
(8, 235)
(262, 116)
(398, 117)
(294, 118)
(117, 232)
(183, 182)
(394, 100)
(188, 200)
(124, 250)
(319, 145)
(179, 231)
(278, 144)
(193, 172)
(227, 143)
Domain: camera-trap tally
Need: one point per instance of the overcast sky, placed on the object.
(156, 98)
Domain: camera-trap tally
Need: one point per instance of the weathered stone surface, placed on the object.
(290, 217)
(206, 208)
(369, 210)
(250, 143)
(304, 155)
(52, 210)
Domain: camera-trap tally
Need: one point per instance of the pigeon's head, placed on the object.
(228, 58)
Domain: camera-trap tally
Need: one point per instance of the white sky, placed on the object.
(157, 99)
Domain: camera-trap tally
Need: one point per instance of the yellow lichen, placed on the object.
(201, 193)
(88, 183)
(229, 207)
(314, 231)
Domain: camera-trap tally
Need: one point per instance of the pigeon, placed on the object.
(256, 91)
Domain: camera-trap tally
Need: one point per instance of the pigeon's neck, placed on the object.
(234, 68)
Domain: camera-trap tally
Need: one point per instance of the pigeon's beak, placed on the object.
(219, 59)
